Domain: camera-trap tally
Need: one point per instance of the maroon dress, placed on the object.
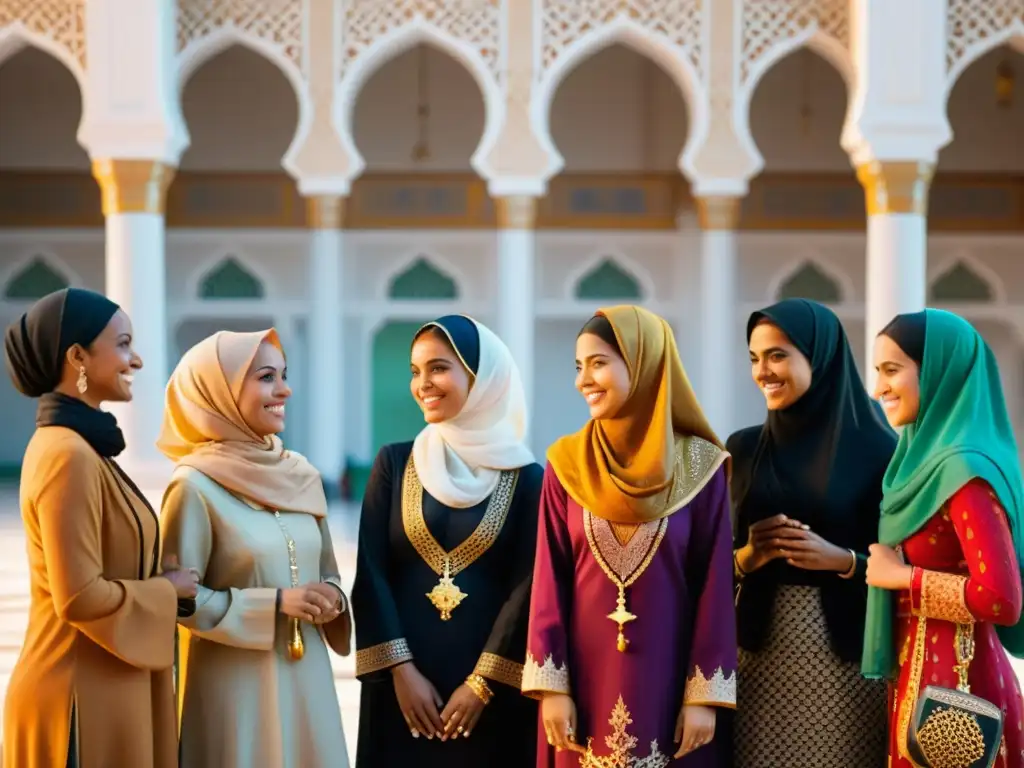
(677, 573)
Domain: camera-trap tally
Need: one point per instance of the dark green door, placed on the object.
(396, 417)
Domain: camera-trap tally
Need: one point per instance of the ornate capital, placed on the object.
(516, 212)
(325, 211)
(896, 187)
(718, 212)
(133, 186)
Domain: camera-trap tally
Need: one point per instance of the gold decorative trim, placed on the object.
(500, 669)
(943, 597)
(697, 460)
(719, 690)
(544, 678)
(895, 187)
(382, 656)
(516, 212)
(913, 689)
(621, 745)
(325, 211)
(446, 596)
(133, 186)
(718, 212)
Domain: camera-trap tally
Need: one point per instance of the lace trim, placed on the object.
(500, 669)
(621, 744)
(546, 677)
(717, 690)
(382, 656)
(942, 597)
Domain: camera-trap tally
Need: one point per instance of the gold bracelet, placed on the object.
(853, 568)
(479, 686)
(739, 572)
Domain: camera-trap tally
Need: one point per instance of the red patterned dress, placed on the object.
(965, 571)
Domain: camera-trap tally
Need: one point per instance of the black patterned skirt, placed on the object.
(801, 706)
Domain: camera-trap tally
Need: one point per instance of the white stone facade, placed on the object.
(515, 95)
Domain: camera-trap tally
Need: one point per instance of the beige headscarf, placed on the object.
(204, 429)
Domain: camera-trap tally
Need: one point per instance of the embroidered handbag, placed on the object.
(952, 728)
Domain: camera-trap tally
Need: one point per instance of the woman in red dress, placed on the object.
(950, 530)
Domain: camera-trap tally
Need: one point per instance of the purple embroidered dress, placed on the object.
(676, 576)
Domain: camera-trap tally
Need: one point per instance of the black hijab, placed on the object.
(908, 332)
(820, 461)
(36, 346)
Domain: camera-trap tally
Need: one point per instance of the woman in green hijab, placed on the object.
(950, 532)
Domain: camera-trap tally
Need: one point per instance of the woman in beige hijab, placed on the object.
(251, 517)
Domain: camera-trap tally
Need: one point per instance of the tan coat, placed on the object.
(100, 633)
(246, 704)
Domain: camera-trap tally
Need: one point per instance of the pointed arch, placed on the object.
(34, 280)
(201, 50)
(396, 42)
(194, 286)
(617, 262)
(229, 279)
(809, 278)
(608, 280)
(16, 36)
(422, 280)
(624, 31)
(1012, 34)
(964, 280)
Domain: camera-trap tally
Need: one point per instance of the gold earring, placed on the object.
(83, 382)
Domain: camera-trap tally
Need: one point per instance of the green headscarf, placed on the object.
(962, 432)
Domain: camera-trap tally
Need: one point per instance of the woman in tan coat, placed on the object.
(251, 517)
(93, 686)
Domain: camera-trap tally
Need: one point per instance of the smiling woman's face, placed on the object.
(265, 391)
(779, 369)
(602, 376)
(898, 386)
(440, 383)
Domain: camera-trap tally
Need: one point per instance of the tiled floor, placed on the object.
(14, 601)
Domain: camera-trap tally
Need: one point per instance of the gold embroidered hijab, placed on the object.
(626, 469)
(204, 429)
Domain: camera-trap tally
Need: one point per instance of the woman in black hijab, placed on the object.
(806, 488)
(93, 685)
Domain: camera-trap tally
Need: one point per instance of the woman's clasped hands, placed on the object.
(783, 538)
(316, 602)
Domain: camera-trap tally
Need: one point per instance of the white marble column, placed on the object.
(896, 196)
(719, 217)
(516, 304)
(133, 130)
(895, 128)
(327, 394)
(134, 192)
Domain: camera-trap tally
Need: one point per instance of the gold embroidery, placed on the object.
(382, 656)
(499, 669)
(546, 678)
(912, 690)
(653, 533)
(718, 690)
(622, 743)
(696, 460)
(942, 597)
(446, 596)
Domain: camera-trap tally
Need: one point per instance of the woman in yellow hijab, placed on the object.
(251, 518)
(632, 639)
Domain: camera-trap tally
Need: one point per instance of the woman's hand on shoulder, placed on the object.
(886, 569)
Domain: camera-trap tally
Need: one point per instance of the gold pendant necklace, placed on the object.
(646, 541)
(296, 648)
(446, 595)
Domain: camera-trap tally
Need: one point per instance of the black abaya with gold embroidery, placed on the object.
(396, 622)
